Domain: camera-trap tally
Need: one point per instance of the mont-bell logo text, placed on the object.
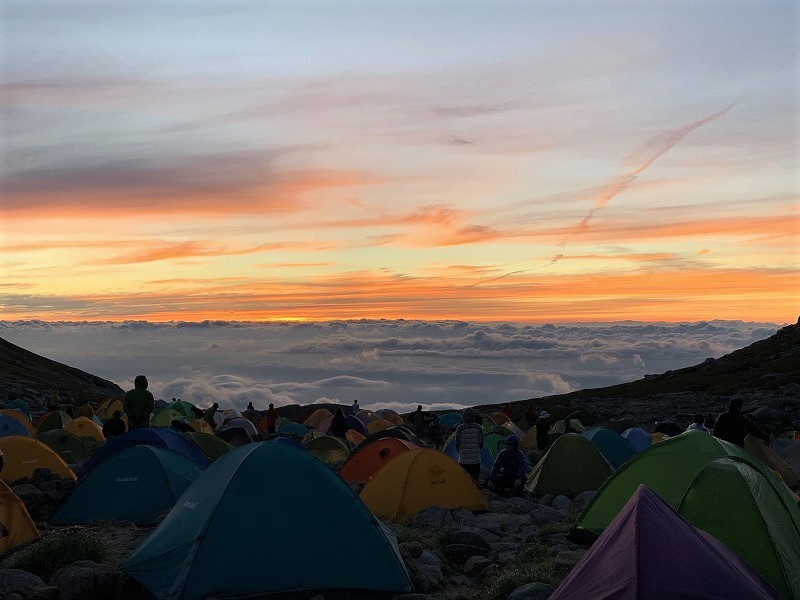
(127, 479)
(190, 505)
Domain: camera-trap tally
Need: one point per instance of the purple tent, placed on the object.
(650, 551)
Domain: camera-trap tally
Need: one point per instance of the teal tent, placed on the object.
(263, 519)
(20, 404)
(137, 485)
(614, 448)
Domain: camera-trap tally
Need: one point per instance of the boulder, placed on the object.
(425, 578)
(459, 553)
(546, 514)
(429, 558)
(520, 505)
(582, 500)
(561, 503)
(53, 491)
(569, 558)
(12, 580)
(532, 591)
(514, 521)
(434, 517)
(476, 564)
(486, 535)
(85, 580)
(41, 475)
(413, 597)
(469, 537)
(488, 522)
(413, 549)
(30, 495)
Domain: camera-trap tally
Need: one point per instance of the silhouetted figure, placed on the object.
(418, 419)
(114, 426)
(507, 411)
(732, 425)
(339, 425)
(530, 417)
(53, 402)
(543, 430)
(355, 408)
(697, 424)
(568, 428)
(271, 419)
(138, 404)
(508, 472)
(250, 406)
(469, 441)
(435, 432)
(208, 415)
(181, 426)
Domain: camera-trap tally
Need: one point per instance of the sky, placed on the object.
(384, 363)
(520, 162)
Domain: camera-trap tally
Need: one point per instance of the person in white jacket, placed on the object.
(469, 442)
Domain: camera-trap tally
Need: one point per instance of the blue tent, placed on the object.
(10, 426)
(487, 460)
(614, 448)
(20, 404)
(161, 437)
(638, 438)
(292, 428)
(450, 420)
(268, 518)
(137, 485)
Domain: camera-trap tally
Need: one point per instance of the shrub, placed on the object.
(57, 550)
(535, 562)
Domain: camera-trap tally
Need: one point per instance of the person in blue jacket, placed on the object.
(508, 472)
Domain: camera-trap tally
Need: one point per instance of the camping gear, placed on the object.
(20, 416)
(85, 428)
(55, 419)
(212, 446)
(638, 438)
(23, 455)
(72, 449)
(615, 448)
(367, 460)
(16, 526)
(572, 465)
(329, 449)
(11, 426)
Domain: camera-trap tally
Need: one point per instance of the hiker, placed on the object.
(530, 417)
(114, 426)
(469, 441)
(339, 425)
(52, 403)
(506, 410)
(434, 432)
(732, 425)
(271, 419)
(697, 424)
(508, 472)
(543, 430)
(418, 420)
(568, 428)
(181, 426)
(138, 404)
(250, 406)
(355, 408)
(208, 415)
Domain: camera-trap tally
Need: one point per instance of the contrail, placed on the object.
(663, 144)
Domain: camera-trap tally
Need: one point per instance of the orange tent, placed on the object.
(366, 461)
(317, 417)
(498, 417)
(16, 527)
(354, 437)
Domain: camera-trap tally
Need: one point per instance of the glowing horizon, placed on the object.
(312, 162)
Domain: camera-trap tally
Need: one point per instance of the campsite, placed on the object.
(256, 504)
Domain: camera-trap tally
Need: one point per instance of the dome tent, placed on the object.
(23, 455)
(365, 462)
(572, 465)
(308, 533)
(67, 445)
(615, 448)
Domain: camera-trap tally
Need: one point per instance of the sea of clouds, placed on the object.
(385, 364)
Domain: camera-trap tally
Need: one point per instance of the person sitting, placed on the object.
(339, 425)
(138, 404)
(697, 424)
(732, 425)
(355, 409)
(508, 472)
(114, 426)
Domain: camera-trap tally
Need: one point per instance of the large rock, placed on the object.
(413, 549)
(582, 500)
(12, 580)
(476, 564)
(570, 558)
(514, 521)
(486, 535)
(413, 597)
(532, 591)
(85, 580)
(546, 514)
(30, 495)
(466, 536)
(561, 503)
(459, 553)
(434, 517)
(429, 558)
(426, 578)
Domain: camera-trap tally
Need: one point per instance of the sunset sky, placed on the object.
(523, 161)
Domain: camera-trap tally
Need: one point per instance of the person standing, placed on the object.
(543, 430)
(114, 426)
(697, 424)
(339, 425)
(208, 415)
(508, 412)
(435, 432)
(530, 417)
(469, 442)
(138, 404)
(271, 418)
(418, 420)
(732, 425)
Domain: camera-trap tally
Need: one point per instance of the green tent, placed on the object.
(494, 441)
(55, 419)
(572, 465)
(751, 513)
(183, 407)
(268, 518)
(667, 468)
(328, 448)
(165, 416)
(72, 449)
(212, 446)
(138, 484)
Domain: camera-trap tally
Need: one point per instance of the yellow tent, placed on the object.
(201, 426)
(328, 449)
(558, 426)
(16, 527)
(20, 416)
(420, 479)
(317, 417)
(762, 452)
(390, 416)
(85, 428)
(378, 425)
(354, 437)
(529, 441)
(106, 410)
(23, 455)
(658, 437)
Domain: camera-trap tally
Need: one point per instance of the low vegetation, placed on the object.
(535, 562)
(57, 550)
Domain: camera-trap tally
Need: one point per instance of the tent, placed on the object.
(161, 437)
(390, 415)
(106, 410)
(366, 416)
(241, 423)
(21, 405)
(451, 420)
(354, 437)
(263, 519)
(353, 422)
(762, 452)
(165, 416)
(235, 436)
(791, 455)
(638, 438)
(184, 408)
(55, 419)
(418, 479)
(649, 551)
(201, 426)
(398, 431)
(615, 448)
(558, 427)
(365, 462)
(494, 441)
(667, 468)
(11, 426)
(750, 512)
(317, 417)
(658, 437)
(85, 428)
(16, 526)
(498, 417)
(378, 425)
(292, 428)
(67, 445)
(137, 485)
(20, 416)
(449, 448)
(23, 455)
(328, 448)
(212, 446)
(508, 428)
(572, 465)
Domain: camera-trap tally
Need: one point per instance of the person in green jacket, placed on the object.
(138, 404)
(208, 415)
